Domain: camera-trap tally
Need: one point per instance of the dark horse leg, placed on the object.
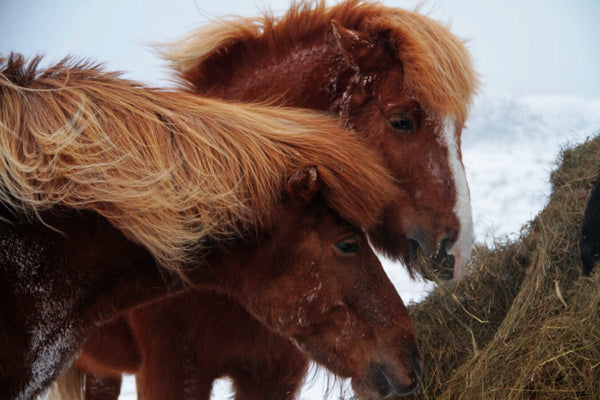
(171, 378)
(168, 370)
(278, 381)
(102, 387)
(589, 246)
(108, 352)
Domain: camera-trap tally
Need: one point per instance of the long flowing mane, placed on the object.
(436, 64)
(173, 171)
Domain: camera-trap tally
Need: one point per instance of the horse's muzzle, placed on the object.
(432, 262)
(386, 387)
(383, 381)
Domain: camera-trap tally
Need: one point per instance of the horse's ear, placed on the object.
(303, 185)
(357, 48)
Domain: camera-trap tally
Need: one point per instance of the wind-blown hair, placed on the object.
(172, 170)
(437, 66)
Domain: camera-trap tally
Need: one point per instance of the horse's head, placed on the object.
(413, 114)
(319, 283)
(400, 79)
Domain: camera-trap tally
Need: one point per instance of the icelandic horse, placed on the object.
(589, 244)
(397, 78)
(114, 194)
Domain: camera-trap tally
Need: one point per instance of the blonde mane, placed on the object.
(172, 170)
(437, 66)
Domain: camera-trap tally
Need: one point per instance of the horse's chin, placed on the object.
(380, 383)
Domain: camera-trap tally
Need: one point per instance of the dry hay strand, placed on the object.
(524, 324)
(455, 321)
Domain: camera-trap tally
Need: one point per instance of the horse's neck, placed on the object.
(309, 75)
(228, 267)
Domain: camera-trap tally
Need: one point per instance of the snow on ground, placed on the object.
(509, 148)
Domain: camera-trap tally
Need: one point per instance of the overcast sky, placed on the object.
(519, 46)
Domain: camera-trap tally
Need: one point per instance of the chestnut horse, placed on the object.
(100, 177)
(397, 78)
(589, 245)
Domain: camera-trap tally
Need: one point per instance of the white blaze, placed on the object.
(464, 244)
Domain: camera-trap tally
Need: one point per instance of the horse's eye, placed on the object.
(348, 245)
(401, 123)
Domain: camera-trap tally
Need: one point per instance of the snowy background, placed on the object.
(539, 61)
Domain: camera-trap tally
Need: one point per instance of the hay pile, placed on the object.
(525, 324)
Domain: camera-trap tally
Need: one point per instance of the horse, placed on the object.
(399, 79)
(589, 245)
(114, 195)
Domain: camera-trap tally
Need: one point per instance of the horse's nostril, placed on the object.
(445, 261)
(380, 380)
(420, 241)
(417, 366)
(414, 248)
(448, 267)
(443, 247)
